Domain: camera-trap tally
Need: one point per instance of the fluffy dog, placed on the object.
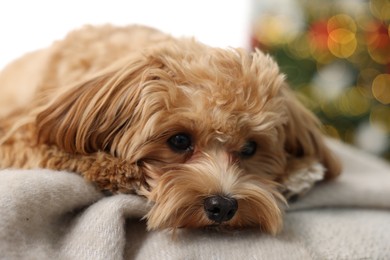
(212, 137)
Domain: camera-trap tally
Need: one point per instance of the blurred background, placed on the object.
(335, 53)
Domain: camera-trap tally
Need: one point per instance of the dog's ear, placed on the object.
(304, 141)
(89, 116)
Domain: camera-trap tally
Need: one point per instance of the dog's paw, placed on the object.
(301, 181)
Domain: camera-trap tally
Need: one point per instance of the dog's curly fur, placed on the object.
(105, 101)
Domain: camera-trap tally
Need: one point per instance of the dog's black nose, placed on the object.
(220, 209)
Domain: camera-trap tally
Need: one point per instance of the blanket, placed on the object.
(46, 214)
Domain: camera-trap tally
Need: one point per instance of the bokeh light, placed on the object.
(353, 103)
(380, 9)
(340, 61)
(381, 88)
(342, 39)
(378, 41)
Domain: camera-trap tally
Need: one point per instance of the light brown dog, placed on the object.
(212, 137)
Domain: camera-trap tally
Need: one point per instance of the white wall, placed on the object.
(28, 25)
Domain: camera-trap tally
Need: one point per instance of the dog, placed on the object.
(212, 137)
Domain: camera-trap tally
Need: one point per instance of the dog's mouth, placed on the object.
(220, 227)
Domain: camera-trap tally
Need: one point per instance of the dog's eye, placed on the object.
(249, 149)
(180, 143)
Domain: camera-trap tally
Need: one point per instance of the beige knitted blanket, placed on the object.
(57, 215)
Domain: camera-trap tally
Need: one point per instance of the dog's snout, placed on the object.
(219, 208)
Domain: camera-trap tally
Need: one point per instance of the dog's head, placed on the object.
(213, 133)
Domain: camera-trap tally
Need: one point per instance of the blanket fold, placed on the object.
(57, 215)
(365, 183)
